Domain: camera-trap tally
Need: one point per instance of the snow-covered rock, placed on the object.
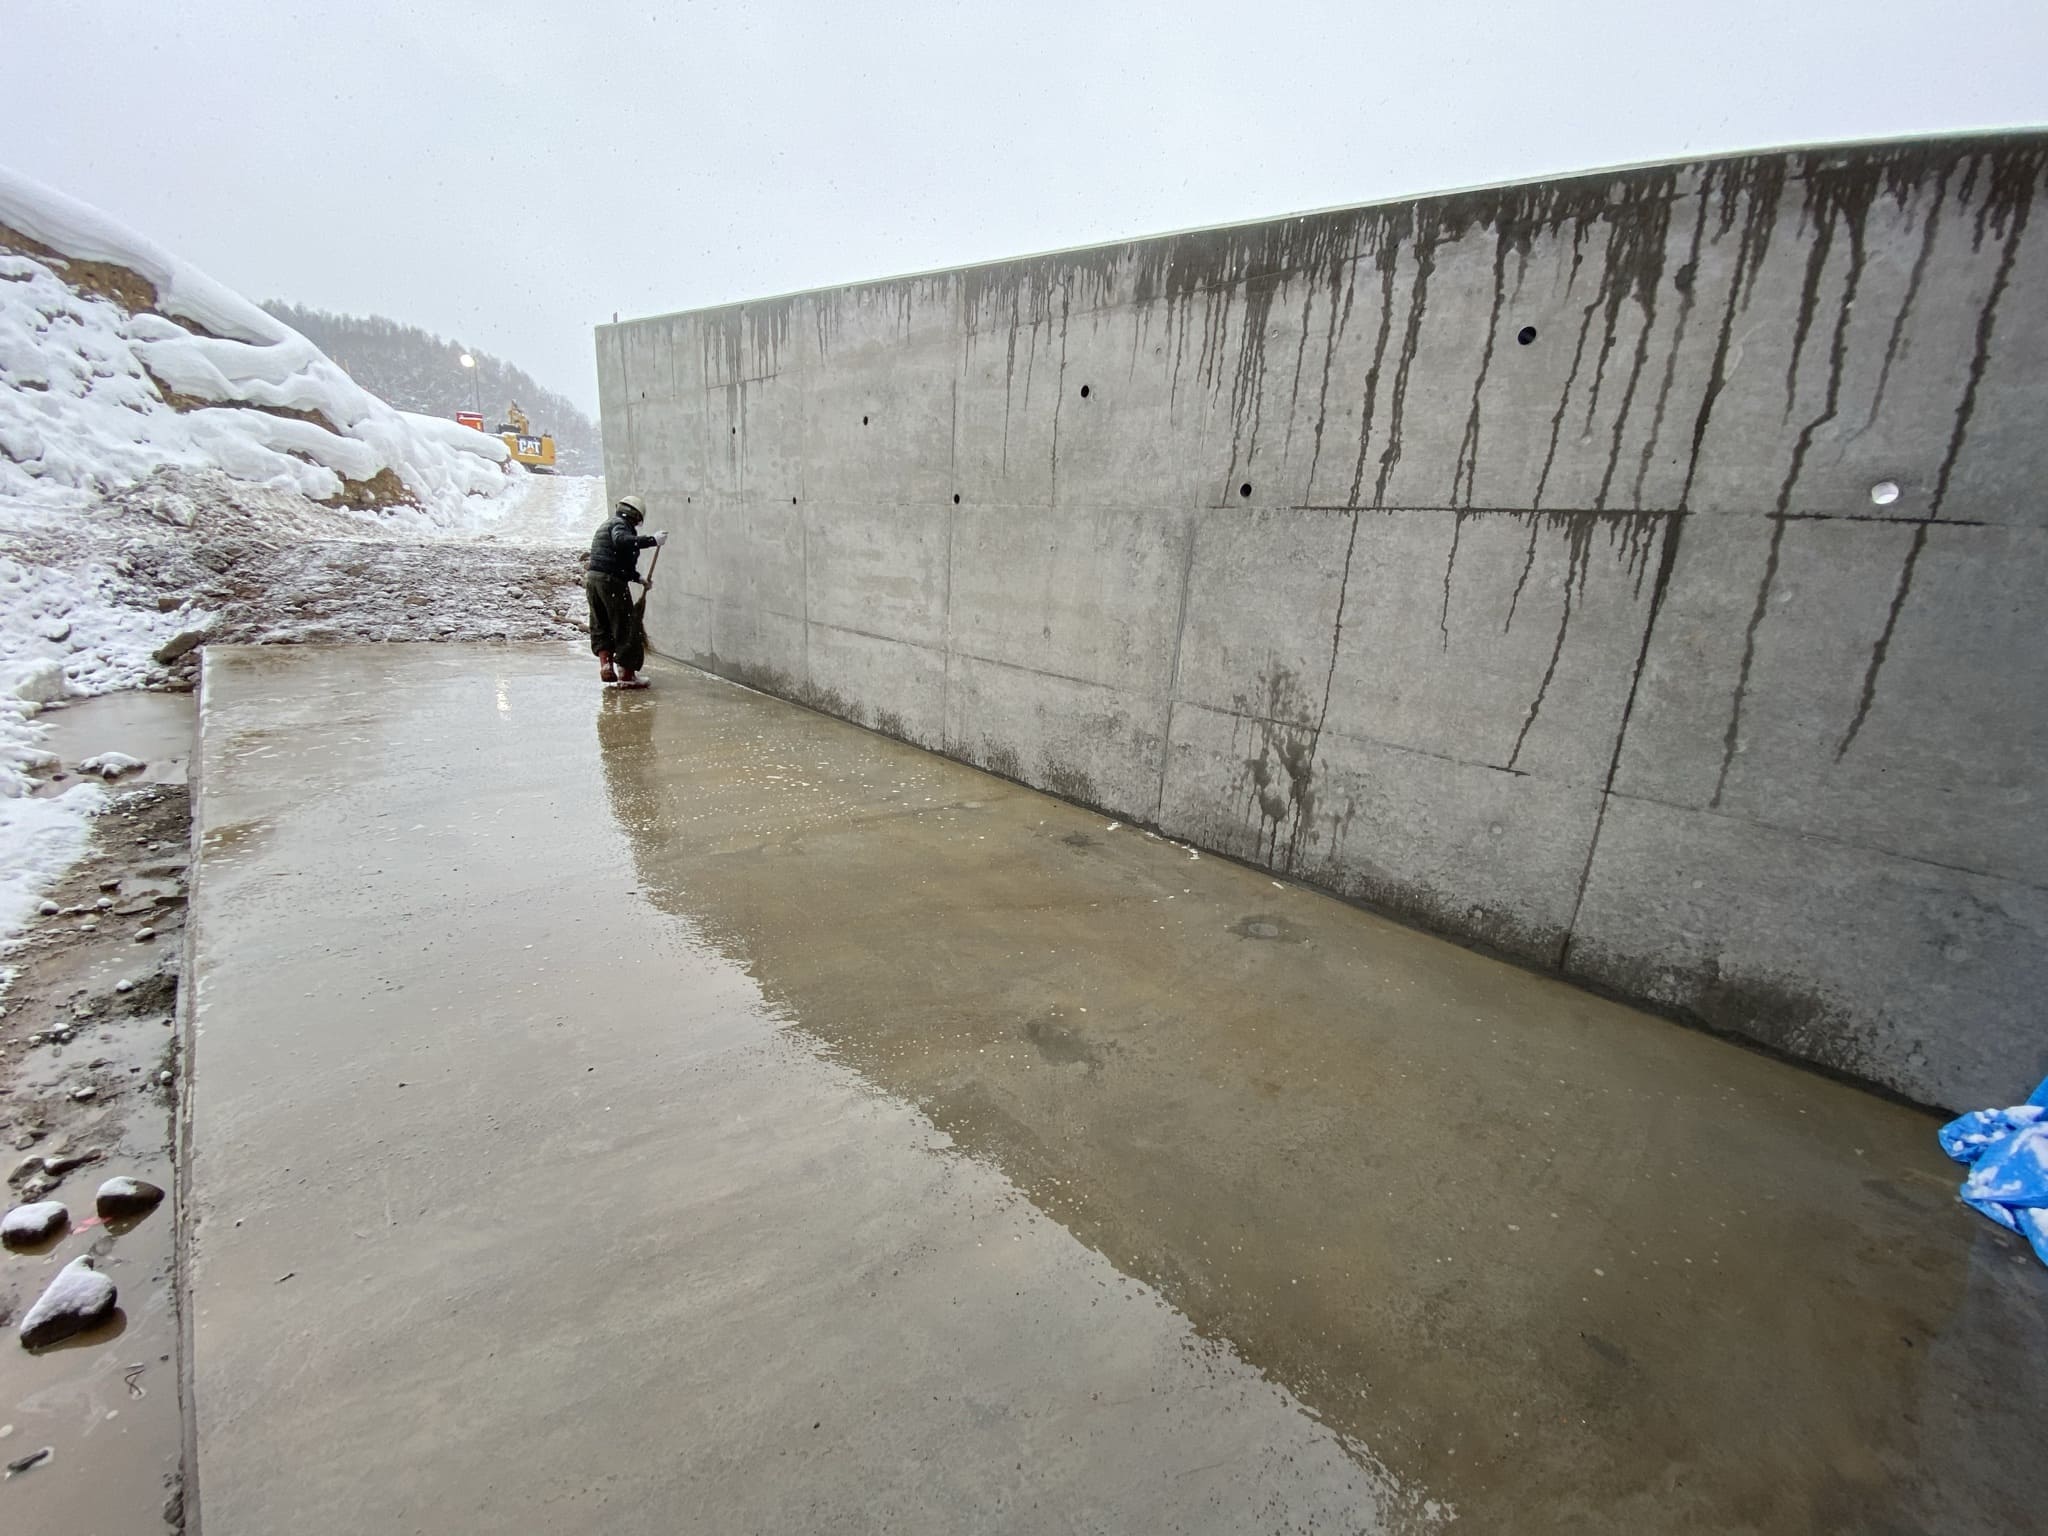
(40, 682)
(79, 1297)
(27, 1225)
(124, 1196)
(110, 765)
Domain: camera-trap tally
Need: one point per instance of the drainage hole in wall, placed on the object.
(1084, 391)
(1526, 334)
(1245, 490)
(1885, 492)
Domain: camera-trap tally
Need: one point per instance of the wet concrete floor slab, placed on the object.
(682, 1111)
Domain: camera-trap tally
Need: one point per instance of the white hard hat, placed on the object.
(634, 505)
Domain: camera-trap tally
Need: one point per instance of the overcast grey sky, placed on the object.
(512, 173)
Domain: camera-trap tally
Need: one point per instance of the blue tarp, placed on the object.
(2007, 1154)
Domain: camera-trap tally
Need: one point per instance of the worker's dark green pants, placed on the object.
(614, 626)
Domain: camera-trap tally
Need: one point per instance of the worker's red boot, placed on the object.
(629, 679)
(604, 667)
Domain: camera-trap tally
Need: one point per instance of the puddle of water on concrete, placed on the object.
(1551, 1258)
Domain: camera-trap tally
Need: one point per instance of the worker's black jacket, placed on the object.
(615, 550)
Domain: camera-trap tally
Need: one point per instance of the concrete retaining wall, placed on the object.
(1506, 560)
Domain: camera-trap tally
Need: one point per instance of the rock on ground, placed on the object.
(26, 1225)
(124, 1196)
(79, 1297)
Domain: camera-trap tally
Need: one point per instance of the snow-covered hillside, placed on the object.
(116, 360)
(178, 467)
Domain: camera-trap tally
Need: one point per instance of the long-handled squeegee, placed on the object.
(640, 606)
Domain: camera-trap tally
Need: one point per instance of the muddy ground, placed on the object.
(89, 1077)
(218, 560)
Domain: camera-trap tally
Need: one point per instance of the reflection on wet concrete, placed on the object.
(1568, 1267)
(517, 1203)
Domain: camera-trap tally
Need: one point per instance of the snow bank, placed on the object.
(121, 369)
(76, 622)
(62, 632)
(100, 384)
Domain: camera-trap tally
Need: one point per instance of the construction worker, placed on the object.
(615, 631)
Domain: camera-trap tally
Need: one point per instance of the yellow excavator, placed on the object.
(535, 450)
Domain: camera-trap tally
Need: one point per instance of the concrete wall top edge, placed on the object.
(2009, 161)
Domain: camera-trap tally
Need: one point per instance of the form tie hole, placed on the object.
(1245, 490)
(1084, 391)
(1885, 492)
(863, 421)
(1526, 334)
(956, 498)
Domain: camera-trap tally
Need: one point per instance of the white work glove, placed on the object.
(661, 537)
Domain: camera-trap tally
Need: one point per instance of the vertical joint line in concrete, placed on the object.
(1667, 560)
(1336, 637)
(950, 512)
(1180, 625)
(952, 516)
(959, 362)
(1052, 495)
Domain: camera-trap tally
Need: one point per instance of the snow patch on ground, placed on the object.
(39, 840)
(76, 620)
(548, 509)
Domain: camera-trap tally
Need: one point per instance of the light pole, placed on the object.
(476, 383)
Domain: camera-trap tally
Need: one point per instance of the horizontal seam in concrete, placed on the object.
(1610, 514)
(1831, 840)
(1891, 522)
(776, 613)
(1374, 741)
(869, 634)
(1063, 677)
(1083, 504)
